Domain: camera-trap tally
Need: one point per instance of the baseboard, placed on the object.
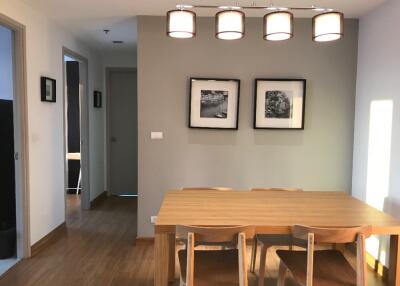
(100, 198)
(144, 240)
(48, 239)
(378, 267)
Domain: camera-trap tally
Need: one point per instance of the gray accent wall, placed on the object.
(318, 158)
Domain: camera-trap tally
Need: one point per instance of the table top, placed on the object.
(270, 212)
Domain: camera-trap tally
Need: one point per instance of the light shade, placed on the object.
(327, 26)
(278, 26)
(181, 24)
(229, 25)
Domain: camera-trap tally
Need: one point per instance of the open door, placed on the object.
(14, 209)
(8, 223)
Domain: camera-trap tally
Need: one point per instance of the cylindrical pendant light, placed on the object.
(181, 24)
(278, 26)
(327, 26)
(229, 25)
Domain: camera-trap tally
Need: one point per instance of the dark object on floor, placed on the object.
(8, 236)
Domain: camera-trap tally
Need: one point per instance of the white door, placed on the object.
(123, 131)
(84, 129)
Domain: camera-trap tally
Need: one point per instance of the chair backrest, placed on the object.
(276, 190)
(237, 234)
(206, 189)
(214, 234)
(330, 235)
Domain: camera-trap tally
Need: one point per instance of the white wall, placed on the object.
(96, 131)
(6, 66)
(120, 60)
(376, 161)
(44, 43)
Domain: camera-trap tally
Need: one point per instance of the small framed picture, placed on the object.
(48, 89)
(214, 103)
(97, 100)
(279, 103)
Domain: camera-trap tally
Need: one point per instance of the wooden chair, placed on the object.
(267, 240)
(214, 267)
(324, 267)
(207, 189)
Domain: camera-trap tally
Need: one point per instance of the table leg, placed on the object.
(164, 258)
(171, 255)
(394, 261)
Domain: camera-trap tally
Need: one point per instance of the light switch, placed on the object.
(157, 135)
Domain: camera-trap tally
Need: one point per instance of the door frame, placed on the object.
(109, 70)
(84, 129)
(20, 136)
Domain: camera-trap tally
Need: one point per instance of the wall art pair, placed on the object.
(278, 103)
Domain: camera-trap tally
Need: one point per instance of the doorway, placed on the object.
(122, 132)
(76, 151)
(8, 230)
(14, 207)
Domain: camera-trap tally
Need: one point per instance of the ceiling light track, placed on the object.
(277, 23)
(271, 7)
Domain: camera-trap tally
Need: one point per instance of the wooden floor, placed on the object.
(98, 249)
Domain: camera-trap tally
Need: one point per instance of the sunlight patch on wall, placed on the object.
(372, 246)
(379, 149)
(378, 168)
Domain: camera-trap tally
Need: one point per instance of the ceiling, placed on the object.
(87, 19)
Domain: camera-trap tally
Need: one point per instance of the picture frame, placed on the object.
(97, 99)
(214, 103)
(48, 89)
(279, 103)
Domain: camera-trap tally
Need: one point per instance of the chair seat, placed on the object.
(330, 267)
(279, 240)
(212, 267)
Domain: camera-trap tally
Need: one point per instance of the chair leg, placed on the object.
(282, 274)
(263, 258)
(79, 181)
(253, 255)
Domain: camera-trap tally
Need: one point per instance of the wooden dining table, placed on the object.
(270, 213)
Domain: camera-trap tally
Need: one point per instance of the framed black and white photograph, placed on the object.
(48, 89)
(279, 103)
(214, 103)
(97, 100)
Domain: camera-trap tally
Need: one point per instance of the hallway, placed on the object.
(96, 249)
